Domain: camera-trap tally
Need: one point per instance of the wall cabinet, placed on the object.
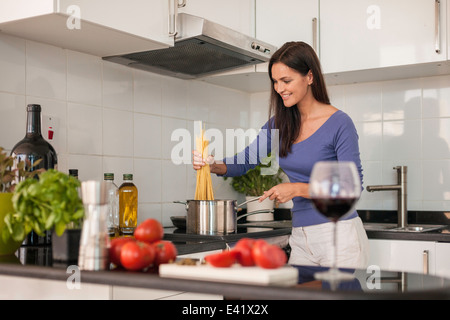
(100, 27)
(234, 14)
(278, 22)
(411, 256)
(368, 34)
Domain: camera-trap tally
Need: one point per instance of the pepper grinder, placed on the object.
(94, 242)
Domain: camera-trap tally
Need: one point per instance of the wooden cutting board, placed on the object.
(284, 276)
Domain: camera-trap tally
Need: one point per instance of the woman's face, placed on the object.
(291, 85)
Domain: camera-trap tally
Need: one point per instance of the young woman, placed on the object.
(310, 130)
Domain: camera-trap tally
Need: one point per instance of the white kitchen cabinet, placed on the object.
(278, 22)
(403, 255)
(100, 27)
(370, 34)
(443, 259)
(234, 14)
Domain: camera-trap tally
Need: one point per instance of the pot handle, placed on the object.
(254, 212)
(251, 200)
(182, 202)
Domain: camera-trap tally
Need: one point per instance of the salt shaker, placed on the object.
(94, 242)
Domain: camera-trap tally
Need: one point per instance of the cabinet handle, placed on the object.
(314, 34)
(437, 25)
(173, 13)
(426, 260)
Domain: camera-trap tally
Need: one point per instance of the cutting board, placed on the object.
(284, 276)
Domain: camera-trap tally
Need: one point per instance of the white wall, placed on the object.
(110, 118)
(402, 122)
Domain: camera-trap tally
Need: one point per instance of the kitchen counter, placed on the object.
(368, 284)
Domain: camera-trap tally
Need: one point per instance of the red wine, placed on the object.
(30, 149)
(334, 208)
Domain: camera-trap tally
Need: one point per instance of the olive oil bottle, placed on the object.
(128, 206)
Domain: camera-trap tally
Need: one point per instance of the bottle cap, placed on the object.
(73, 172)
(34, 107)
(127, 176)
(108, 176)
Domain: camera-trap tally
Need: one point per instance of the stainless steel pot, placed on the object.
(214, 217)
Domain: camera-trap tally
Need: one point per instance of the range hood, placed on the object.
(201, 48)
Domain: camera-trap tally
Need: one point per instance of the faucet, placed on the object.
(400, 187)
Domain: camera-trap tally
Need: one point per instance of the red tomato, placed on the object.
(115, 248)
(137, 255)
(150, 230)
(223, 259)
(165, 252)
(243, 249)
(268, 256)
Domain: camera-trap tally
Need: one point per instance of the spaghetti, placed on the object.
(204, 189)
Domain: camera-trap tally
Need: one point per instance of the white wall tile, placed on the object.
(174, 97)
(147, 92)
(45, 71)
(370, 140)
(173, 182)
(118, 132)
(147, 178)
(436, 96)
(402, 99)
(84, 78)
(117, 86)
(436, 138)
(89, 167)
(199, 100)
(169, 125)
(147, 136)
(84, 129)
(402, 139)
(13, 119)
(436, 178)
(363, 101)
(12, 64)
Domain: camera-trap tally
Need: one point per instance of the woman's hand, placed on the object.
(284, 192)
(198, 162)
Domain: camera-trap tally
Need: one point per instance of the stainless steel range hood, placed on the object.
(201, 48)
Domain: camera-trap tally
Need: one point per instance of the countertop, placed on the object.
(36, 262)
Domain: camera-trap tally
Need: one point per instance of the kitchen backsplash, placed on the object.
(109, 118)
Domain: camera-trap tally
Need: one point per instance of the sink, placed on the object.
(391, 227)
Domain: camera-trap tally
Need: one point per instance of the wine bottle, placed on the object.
(30, 149)
(128, 205)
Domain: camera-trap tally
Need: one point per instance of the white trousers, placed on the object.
(313, 245)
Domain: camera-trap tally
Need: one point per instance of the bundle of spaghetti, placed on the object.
(204, 189)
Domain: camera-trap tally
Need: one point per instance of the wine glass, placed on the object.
(334, 188)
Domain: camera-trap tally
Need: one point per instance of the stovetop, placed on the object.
(245, 230)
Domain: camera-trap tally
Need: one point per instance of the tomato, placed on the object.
(243, 249)
(150, 230)
(115, 248)
(223, 259)
(165, 251)
(137, 255)
(267, 255)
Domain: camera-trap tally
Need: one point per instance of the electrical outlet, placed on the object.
(50, 130)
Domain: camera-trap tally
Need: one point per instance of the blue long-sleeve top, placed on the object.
(336, 139)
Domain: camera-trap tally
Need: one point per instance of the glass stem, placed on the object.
(334, 265)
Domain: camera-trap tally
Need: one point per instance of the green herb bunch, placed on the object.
(44, 204)
(9, 175)
(253, 183)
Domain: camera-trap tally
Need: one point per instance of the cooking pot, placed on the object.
(214, 217)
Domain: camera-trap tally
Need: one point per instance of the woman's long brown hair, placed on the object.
(302, 58)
